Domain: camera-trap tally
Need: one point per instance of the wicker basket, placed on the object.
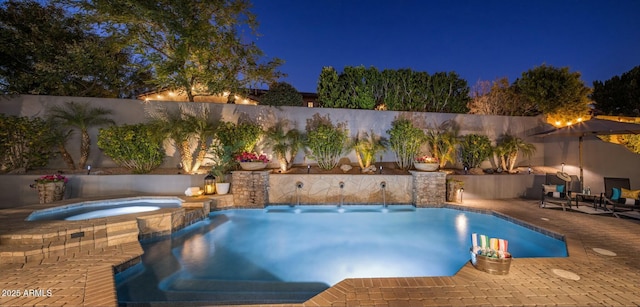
(493, 266)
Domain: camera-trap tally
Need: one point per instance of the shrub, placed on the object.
(136, 147)
(474, 149)
(367, 146)
(282, 94)
(238, 137)
(284, 142)
(325, 141)
(405, 141)
(24, 143)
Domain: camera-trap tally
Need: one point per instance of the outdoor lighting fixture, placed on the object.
(308, 168)
(88, 169)
(562, 169)
(461, 192)
(529, 170)
(209, 183)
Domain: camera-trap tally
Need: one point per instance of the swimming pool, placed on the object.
(105, 208)
(285, 255)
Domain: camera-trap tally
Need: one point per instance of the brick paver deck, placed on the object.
(84, 276)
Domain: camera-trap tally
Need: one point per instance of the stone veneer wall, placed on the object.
(249, 188)
(429, 188)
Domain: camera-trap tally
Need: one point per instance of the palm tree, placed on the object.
(284, 144)
(367, 146)
(509, 147)
(174, 126)
(80, 116)
(442, 141)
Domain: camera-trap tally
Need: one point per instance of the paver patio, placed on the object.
(84, 276)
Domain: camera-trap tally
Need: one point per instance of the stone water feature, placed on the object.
(256, 189)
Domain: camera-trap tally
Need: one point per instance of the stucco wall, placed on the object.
(600, 159)
(127, 111)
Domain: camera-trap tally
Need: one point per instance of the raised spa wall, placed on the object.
(256, 189)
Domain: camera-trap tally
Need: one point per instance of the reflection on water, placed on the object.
(259, 254)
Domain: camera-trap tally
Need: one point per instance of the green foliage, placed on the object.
(325, 141)
(222, 156)
(24, 143)
(328, 90)
(405, 141)
(555, 92)
(507, 149)
(442, 141)
(239, 137)
(285, 143)
(619, 95)
(43, 51)
(474, 149)
(367, 145)
(282, 94)
(80, 116)
(399, 90)
(499, 98)
(631, 141)
(135, 147)
(192, 47)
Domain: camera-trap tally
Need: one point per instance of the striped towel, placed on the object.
(503, 245)
(474, 239)
(484, 241)
(493, 244)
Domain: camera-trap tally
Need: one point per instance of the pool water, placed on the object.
(104, 208)
(280, 255)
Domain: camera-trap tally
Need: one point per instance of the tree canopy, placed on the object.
(43, 51)
(499, 98)
(619, 95)
(559, 94)
(194, 47)
(282, 94)
(398, 90)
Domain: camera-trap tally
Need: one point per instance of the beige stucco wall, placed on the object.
(128, 111)
(601, 159)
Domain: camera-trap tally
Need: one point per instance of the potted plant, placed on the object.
(250, 161)
(223, 163)
(50, 187)
(426, 163)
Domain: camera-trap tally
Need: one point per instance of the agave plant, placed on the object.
(509, 147)
(284, 142)
(81, 116)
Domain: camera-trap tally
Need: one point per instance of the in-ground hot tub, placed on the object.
(104, 208)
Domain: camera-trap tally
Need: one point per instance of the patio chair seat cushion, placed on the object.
(556, 194)
(624, 193)
(628, 201)
(553, 188)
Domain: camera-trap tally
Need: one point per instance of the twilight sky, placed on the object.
(479, 40)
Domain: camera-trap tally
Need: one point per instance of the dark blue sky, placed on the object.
(480, 40)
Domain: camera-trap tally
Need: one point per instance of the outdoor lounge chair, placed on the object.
(611, 197)
(556, 191)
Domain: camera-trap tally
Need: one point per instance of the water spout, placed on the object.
(383, 187)
(299, 186)
(341, 185)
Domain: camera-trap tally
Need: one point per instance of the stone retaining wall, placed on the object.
(429, 188)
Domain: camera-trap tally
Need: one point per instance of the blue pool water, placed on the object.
(104, 208)
(289, 255)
